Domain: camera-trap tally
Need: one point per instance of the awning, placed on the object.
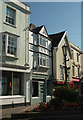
(75, 80)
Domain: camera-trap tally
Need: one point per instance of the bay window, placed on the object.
(43, 60)
(43, 42)
(9, 44)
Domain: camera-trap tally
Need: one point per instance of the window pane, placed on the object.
(44, 62)
(40, 61)
(62, 72)
(10, 16)
(3, 44)
(12, 45)
(35, 89)
(7, 83)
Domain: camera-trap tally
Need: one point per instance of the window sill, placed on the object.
(48, 95)
(10, 24)
(35, 97)
(11, 56)
(12, 96)
(46, 67)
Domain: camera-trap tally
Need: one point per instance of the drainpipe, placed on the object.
(25, 87)
(26, 38)
(26, 47)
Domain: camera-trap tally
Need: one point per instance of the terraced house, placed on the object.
(73, 61)
(40, 56)
(31, 61)
(76, 66)
(58, 41)
(14, 54)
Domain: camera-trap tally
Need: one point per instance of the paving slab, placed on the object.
(6, 113)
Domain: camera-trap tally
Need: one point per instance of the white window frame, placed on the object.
(72, 52)
(44, 57)
(11, 9)
(42, 43)
(68, 74)
(61, 72)
(6, 45)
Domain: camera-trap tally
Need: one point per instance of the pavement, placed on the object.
(5, 114)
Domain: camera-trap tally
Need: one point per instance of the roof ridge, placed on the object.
(57, 33)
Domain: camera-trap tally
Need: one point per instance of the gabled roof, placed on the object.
(31, 26)
(56, 38)
(35, 29)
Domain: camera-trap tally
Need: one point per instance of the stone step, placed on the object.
(51, 113)
(64, 117)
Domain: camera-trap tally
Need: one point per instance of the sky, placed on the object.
(57, 17)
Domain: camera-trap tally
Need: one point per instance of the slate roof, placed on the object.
(56, 38)
(35, 29)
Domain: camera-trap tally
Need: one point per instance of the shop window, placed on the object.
(16, 86)
(10, 86)
(34, 89)
(10, 16)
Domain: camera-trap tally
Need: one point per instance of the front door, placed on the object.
(41, 91)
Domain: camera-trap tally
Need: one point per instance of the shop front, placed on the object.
(76, 82)
(41, 89)
(81, 85)
(62, 83)
(13, 88)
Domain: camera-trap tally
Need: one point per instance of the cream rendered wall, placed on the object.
(59, 60)
(75, 51)
(81, 65)
(0, 30)
(43, 32)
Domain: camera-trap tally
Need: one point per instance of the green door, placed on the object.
(41, 91)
